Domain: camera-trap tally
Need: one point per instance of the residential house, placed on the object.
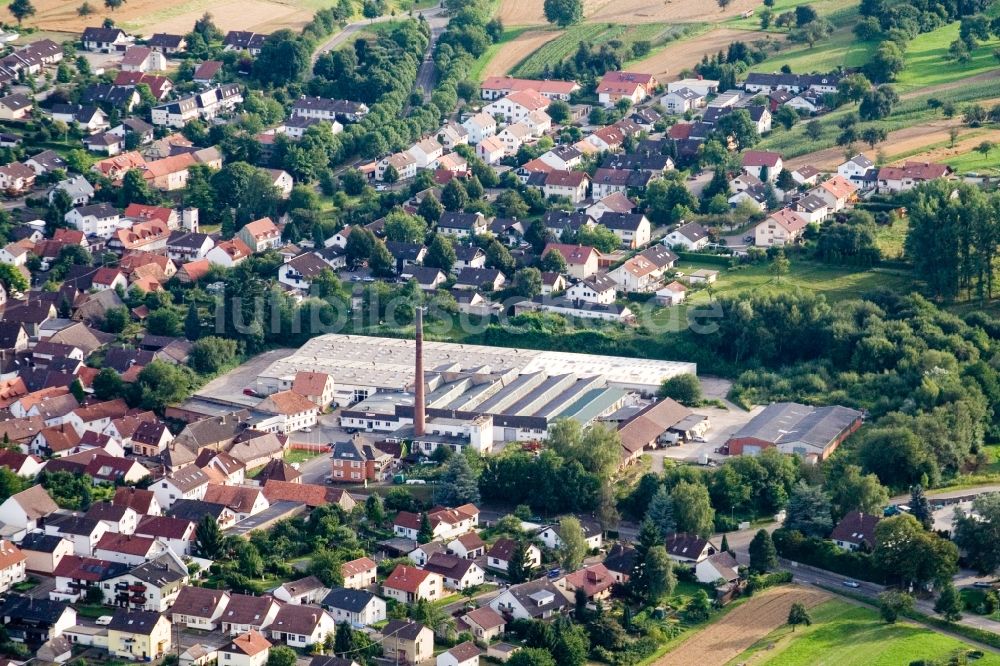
(644, 271)
(128, 548)
(407, 642)
(106, 40)
(813, 208)
(142, 59)
(244, 501)
(359, 608)
(77, 576)
(461, 225)
(260, 235)
(27, 509)
(855, 531)
(426, 153)
(166, 43)
(479, 127)
(514, 136)
(13, 565)
(598, 289)
(491, 149)
(359, 574)
(621, 561)
(782, 227)
(101, 219)
(633, 229)
(458, 573)
(16, 178)
(592, 533)
(485, 624)
(35, 621)
(719, 567)
(248, 613)
(43, 552)
(463, 654)
(138, 635)
(582, 261)
(151, 586)
(329, 109)
(691, 236)
(15, 107)
(175, 533)
(807, 175)
(688, 548)
(300, 272)
(301, 626)
(249, 649)
(308, 590)
(446, 523)
(120, 519)
(199, 607)
(294, 412)
(408, 584)
(469, 546)
(595, 581)
(495, 87)
(682, 100)
(517, 105)
(763, 164)
(859, 170)
(534, 600)
(570, 184)
(672, 294)
(189, 483)
(89, 119)
(837, 192)
(617, 85)
(229, 253)
(452, 134)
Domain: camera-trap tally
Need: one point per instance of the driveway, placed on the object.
(724, 422)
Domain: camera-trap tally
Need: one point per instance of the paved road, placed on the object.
(427, 74)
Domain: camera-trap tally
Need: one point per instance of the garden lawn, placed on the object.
(975, 162)
(835, 282)
(299, 456)
(843, 634)
(891, 237)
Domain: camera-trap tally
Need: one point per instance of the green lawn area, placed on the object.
(976, 163)
(836, 11)
(298, 456)
(844, 634)
(840, 48)
(890, 238)
(928, 64)
(835, 282)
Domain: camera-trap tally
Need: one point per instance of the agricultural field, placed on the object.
(844, 634)
(738, 630)
(515, 45)
(630, 12)
(684, 53)
(553, 50)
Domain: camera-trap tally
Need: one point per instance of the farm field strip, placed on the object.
(720, 641)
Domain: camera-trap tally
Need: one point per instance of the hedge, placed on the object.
(717, 259)
(793, 545)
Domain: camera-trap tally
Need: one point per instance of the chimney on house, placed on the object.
(418, 381)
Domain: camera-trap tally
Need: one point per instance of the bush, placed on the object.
(793, 545)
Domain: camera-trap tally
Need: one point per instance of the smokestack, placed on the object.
(418, 388)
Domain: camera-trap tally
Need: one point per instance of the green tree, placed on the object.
(458, 484)
(570, 644)
(113, 4)
(212, 354)
(553, 262)
(519, 568)
(426, 532)
(814, 130)
(779, 265)
(375, 510)
(326, 565)
(949, 603)
(892, 603)
(532, 656)
(381, 261)
(692, 508)
(660, 574)
(454, 197)
(698, 608)
(797, 615)
(281, 655)
(405, 228)
(809, 511)
(430, 209)
(661, 512)
(108, 385)
(343, 643)
(684, 388)
(284, 58)
(164, 321)
(854, 491)
(887, 61)
(12, 279)
(192, 322)
(208, 539)
(920, 507)
(527, 282)
(563, 12)
(978, 533)
(763, 555)
(11, 483)
(440, 253)
(161, 383)
(21, 9)
(911, 554)
(574, 543)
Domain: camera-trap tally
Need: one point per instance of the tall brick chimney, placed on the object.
(418, 381)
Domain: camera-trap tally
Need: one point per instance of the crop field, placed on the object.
(514, 47)
(844, 634)
(177, 16)
(685, 53)
(552, 51)
(630, 12)
(736, 631)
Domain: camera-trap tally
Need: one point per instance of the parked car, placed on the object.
(983, 584)
(852, 583)
(104, 620)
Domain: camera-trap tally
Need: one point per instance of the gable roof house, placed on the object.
(359, 608)
(595, 581)
(458, 573)
(721, 566)
(855, 531)
(106, 40)
(244, 613)
(308, 590)
(301, 626)
(408, 584)
(537, 599)
(27, 509)
(781, 227)
(582, 261)
(249, 649)
(407, 642)
(617, 85)
(199, 607)
(689, 548)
